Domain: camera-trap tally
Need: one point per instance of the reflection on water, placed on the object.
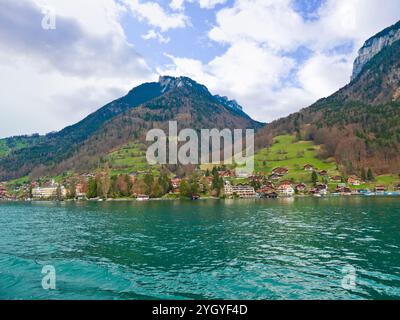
(250, 249)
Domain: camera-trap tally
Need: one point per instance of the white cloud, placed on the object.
(209, 4)
(177, 4)
(262, 34)
(53, 78)
(204, 4)
(321, 74)
(156, 16)
(263, 21)
(152, 34)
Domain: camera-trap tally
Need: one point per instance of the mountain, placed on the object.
(359, 126)
(374, 45)
(150, 105)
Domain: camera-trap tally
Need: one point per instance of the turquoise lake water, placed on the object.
(255, 249)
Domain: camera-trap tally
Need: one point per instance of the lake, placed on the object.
(299, 248)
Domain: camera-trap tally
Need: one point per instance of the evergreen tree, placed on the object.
(370, 175)
(58, 193)
(194, 186)
(185, 189)
(72, 190)
(92, 189)
(314, 178)
(217, 182)
(164, 183)
(363, 175)
(105, 181)
(148, 181)
(129, 185)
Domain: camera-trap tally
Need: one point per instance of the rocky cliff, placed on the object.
(375, 45)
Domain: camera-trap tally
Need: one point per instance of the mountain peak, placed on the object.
(374, 45)
(168, 83)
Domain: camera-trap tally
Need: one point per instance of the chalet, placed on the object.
(274, 177)
(280, 171)
(322, 188)
(286, 189)
(323, 173)
(308, 167)
(301, 187)
(343, 189)
(267, 192)
(336, 179)
(354, 181)
(380, 189)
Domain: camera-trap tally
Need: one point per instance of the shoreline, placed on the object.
(391, 195)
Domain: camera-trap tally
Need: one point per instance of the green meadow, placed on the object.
(129, 158)
(294, 155)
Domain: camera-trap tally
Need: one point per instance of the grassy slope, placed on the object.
(129, 158)
(286, 152)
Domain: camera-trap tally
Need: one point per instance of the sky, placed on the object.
(60, 60)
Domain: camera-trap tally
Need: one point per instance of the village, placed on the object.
(220, 182)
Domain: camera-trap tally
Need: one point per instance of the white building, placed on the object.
(286, 190)
(243, 191)
(48, 192)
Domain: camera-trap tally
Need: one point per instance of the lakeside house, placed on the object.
(242, 191)
(380, 189)
(322, 188)
(49, 192)
(308, 167)
(286, 189)
(142, 197)
(267, 192)
(301, 188)
(354, 181)
(343, 189)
